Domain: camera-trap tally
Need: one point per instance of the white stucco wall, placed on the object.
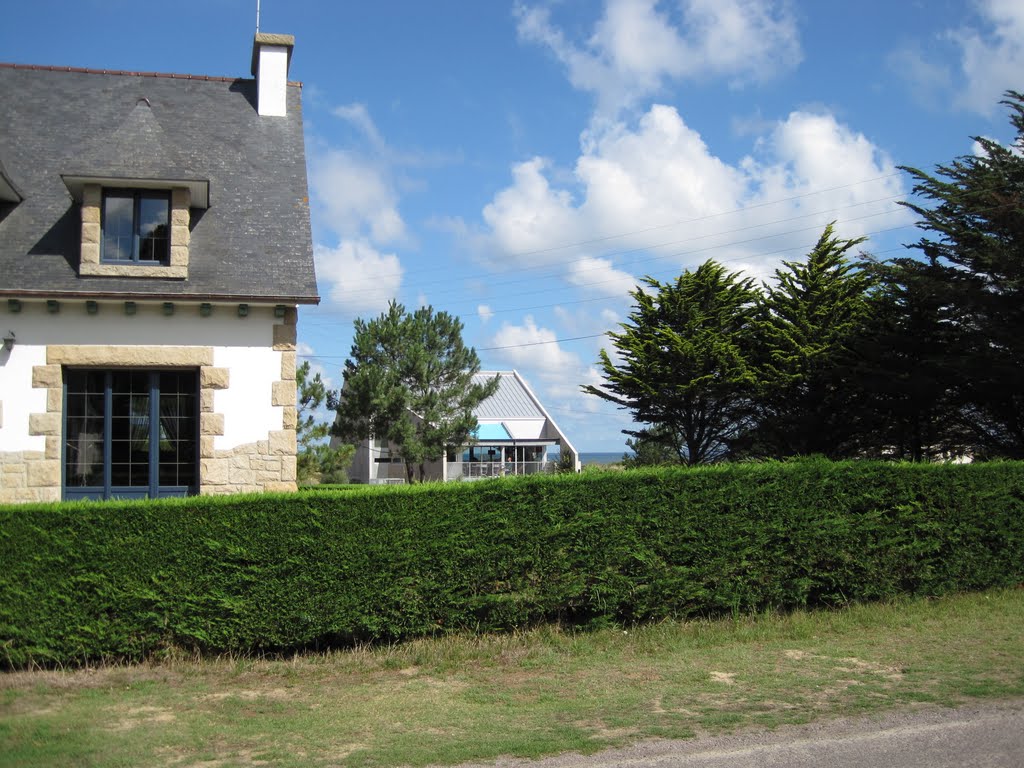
(248, 414)
(272, 79)
(18, 397)
(243, 345)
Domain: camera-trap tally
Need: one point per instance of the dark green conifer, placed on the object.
(683, 362)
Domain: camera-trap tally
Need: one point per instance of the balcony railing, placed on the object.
(476, 470)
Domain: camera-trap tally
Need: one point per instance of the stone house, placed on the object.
(155, 246)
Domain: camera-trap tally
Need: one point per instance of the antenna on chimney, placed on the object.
(257, 17)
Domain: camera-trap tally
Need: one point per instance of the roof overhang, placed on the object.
(199, 189)
(509, 443)
(143, 296)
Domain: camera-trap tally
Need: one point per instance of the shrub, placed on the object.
(125, 580)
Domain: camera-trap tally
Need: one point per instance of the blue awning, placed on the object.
(492, 432)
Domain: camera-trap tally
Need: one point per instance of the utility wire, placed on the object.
(681, 222)
(611, 257)
(692, 252)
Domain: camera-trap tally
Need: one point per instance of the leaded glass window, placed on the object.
(130, 433)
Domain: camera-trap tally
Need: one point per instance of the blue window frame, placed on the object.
(130, 433)
(136, 226)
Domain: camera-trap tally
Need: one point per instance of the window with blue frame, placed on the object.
(130, 433)
(136, 226)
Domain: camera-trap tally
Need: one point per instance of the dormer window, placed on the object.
(136, 227)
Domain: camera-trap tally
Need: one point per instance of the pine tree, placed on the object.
(316, 460)
(685, 362)
(409, 380)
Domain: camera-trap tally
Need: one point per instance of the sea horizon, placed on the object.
(601, 457)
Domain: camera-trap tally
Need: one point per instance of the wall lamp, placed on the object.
(9, 341)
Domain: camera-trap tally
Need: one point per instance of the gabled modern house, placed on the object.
(514, 437)
(154, 249)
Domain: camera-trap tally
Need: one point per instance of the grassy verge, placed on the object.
(540, 692)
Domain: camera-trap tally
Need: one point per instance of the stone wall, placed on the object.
(28, 476)
(266, 465)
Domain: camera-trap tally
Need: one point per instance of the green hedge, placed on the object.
(124, 580)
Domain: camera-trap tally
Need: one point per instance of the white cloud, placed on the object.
(360, 279)
(359, 116)
(929, 80)
(355, 197)
(651, 196)
(306, 353)
(992, 58)
(598, 276)
(532, 347)
(484, 312)
(636, 47)
(529, 215)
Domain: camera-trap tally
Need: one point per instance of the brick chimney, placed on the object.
(271, 57)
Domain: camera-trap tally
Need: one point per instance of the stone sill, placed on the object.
(132, 270)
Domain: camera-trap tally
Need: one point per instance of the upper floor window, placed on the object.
(136, 226)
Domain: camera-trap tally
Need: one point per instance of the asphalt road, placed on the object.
(988, 735)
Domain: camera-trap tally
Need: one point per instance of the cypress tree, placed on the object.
(810, 320)
(685, 367)
(973, 248)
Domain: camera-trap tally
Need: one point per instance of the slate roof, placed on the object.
(252, 243)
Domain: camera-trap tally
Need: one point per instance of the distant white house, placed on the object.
(514, 437)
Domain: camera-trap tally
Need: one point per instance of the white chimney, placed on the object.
(271, 56)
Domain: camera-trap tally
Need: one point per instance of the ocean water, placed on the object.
(606, 457)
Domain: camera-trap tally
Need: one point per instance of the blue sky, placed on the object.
(521, 164)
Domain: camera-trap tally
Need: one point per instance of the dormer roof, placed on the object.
(8, 192)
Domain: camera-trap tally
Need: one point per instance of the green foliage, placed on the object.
(408, 380)
(317, 461)
(905, 395)
(650, 448)
(974, 257)
(566, 463)
(686, 361)
(810, 320)
(124, 580)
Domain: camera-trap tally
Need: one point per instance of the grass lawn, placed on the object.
(540, 692)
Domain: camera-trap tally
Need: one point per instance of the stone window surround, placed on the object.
(90, 264)
(274, 459)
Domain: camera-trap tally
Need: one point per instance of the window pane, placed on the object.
(178, 393)
(129, 428)
(118, 229)
(83, 431)
(154, 230)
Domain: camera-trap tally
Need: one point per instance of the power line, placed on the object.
(654, 246)
(694, 220)
(327, 358)
(692, 252)
(539, 343)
